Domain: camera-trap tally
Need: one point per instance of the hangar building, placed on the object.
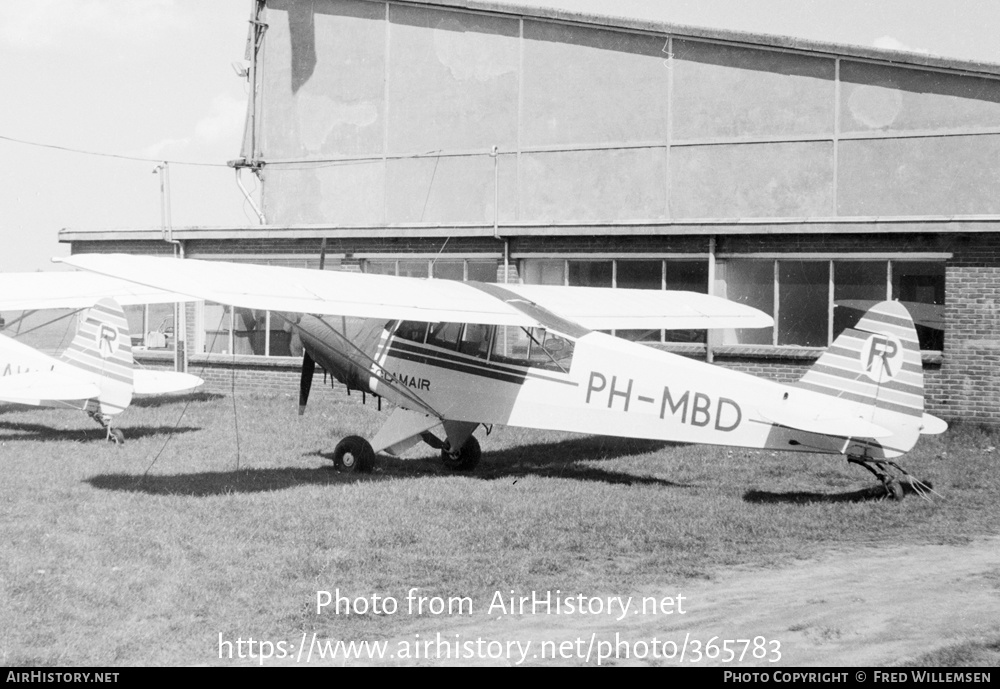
(492, 140)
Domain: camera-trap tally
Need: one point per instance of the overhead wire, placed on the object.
(190, 399)
(81, 151)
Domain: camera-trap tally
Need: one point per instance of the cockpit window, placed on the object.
(414, 331)
(532, 347)
(445, 335)
(476, 340)
(535, 347)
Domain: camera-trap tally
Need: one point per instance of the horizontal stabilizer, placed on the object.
(402, 430)
(845, 427)
(932, 425)
(147, 382)
(35, 386)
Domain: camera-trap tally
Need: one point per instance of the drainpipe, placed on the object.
(167, 233)
(710, 334)
(239, 165)
(495, 154)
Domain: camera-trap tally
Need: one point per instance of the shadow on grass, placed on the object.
(562, 460)
(546, 460)
(161, 400)
(35, 431)
(227, 482)
(874, 492)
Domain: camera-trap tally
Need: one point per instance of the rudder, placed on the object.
(877, 365)
(102, 349)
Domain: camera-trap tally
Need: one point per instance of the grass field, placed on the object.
(223, 516)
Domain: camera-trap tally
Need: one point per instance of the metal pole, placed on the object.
(180, 311)
(710, 334)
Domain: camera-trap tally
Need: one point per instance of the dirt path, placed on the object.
(858, 608)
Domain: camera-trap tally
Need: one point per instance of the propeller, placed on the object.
(305, 384)
(308, 364)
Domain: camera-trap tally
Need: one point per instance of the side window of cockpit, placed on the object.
(550, 347)
(532, 347)
(414, 331)
(476, 340)
(444, 335)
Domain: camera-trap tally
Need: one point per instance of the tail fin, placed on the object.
(877, 365)
(102, 349)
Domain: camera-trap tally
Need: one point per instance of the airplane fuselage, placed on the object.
(607, 385)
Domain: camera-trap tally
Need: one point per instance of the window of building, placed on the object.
(590, 273)
(151, 326)
(857, 285)
(480, 270)
(803, 299)
(626, 273)
(245, 332)
(543, 272)
(813, 301)
(920, 287)
(749, 282)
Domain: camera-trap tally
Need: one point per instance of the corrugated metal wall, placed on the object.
(385, 114)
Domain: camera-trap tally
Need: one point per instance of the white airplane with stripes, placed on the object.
(454, 356)
(95, 374)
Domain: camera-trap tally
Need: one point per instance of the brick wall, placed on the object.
(970, 372)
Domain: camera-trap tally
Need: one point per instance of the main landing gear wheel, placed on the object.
(465, 459)
(354, 454)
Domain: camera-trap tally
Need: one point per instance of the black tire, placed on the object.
(894, 489)
(354, 454)
(465, 459)
(116, 436)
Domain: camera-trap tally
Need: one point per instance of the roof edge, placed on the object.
(724, 35)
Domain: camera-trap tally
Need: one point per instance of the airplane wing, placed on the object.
(35, 386)
(74, 290)
(344, 293)
(604, 309)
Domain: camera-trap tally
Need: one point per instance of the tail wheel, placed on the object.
(116, 436)
(466, 458)
(354, 453)
(894, 489)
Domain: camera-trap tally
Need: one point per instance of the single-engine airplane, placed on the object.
(96, 372)
(452, 356)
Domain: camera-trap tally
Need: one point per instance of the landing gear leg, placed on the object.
(893, 488)
(354, 454)
(114, 434)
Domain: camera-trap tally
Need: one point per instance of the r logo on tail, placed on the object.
(882, 357)
(107, 340)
